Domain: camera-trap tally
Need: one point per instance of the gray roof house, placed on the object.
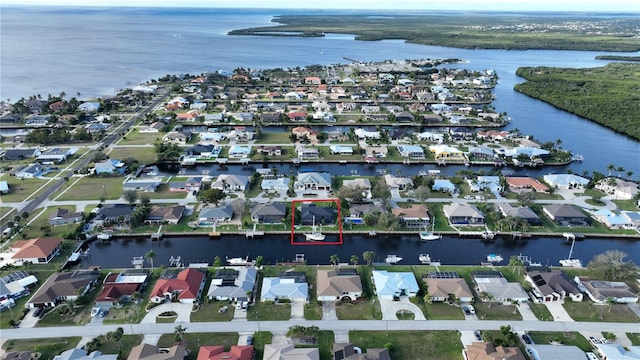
(31, 171)
(269, 213)
(313, 181)
(548, 286)
(64, 216)
(494, 284)
(221, 213)
(113, 212)
(565, 214)
(63, 286)
(463, 214)
(521, 212)
(601, 291)
(229, 182)
(20, 154)
(81, 354)
(4, 187)
(232, 284)
(322, 214)
(144, 185)
(110, 166)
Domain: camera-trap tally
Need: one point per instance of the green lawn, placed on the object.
(121, 347)
(541, 312)
(42, 220)
(442, 311)
(48, 348)
(269, 312)
(134, 137)
(567, 338)
(313, 311)
(274, 138)
(209, 310)
(496, 311)
(145, 155)
(193, 341)
(366, 310)
(635, 338)
(432, 345)
(587, 311)
(91, 188)
(260, 338)
(324, 343)
(21, 189)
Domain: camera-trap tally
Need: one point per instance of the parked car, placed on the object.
(38, 312)
(245, 305)
(238, 305)
(223, 309)
(604, 341)
(472, 310)
(594, 341)
(592, 356)
(477, 335)
(249, 340)
(527, 339)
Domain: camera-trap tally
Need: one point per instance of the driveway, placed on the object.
(390, 308)
(525, 311)
(29, 320)
(297, 309)
(557, 310)
(183, 311)
(329, 310)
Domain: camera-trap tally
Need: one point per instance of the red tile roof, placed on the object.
(187, 284)
(244, 352)
(113, 292)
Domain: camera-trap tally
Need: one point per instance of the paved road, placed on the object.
(334, 325)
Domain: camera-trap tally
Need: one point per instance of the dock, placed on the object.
(250, 234)
(137, 262)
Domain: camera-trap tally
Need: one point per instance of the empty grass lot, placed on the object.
(432, 345)
(587, 311)
(92, 188)
(366, 310)
(21, 189)
(145, 155)
(136, 138)
(209, 311)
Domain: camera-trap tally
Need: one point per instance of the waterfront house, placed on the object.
(118, 288)
(613, 220)
(414, 217)
(463, 214)
(444, 185)
(411, 151)
(289, 351)
(390, 285)
(321, 214)
(341, 150)
(21, 153)
(16, 284)
(175, 137)
(110, 166)
(193, 183)
(518, 184)
(184, 287)
(231, 182)
(374, 152)
(38, 120)
(296, 116)
(430, 136)
(270, 118)
(482, 153)
(201, 151)
(89, 107)
(178, 186)
(405, 116)
(63, 286)
(487, 351)
(446, 153)
(397, 182)
(279, 184)
(216, 214)
(213, 118)
(4, 187)
(165, 214)
(307, 153)
(112, 213)
(550, 286)
(342, 351)
(363, 134)
(565, 181)
(491, 183)
(496, 285)
(335, 285)
(621, 189)
(64, 216)
(233, 284)
(239, 151)
(445, 286)
(144, 185)
(530, 152)
(311, 181)
(358, 211)
(31, 171)
(602, 291)
(304, 133)
(565, 214)
(270, 150)
(269, 213)
(290, 286)
(364, 184)
(520, 212)
(35, 251)
(146, 351)
(216, 352)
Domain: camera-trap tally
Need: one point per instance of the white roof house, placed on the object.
(391, 284)
(274, 288)
(618, 352)
(501, 289)
(278, 184)
(565, 181)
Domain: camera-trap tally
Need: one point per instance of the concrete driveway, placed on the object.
(557, 310)
(525, 311)
(390, 308)
(297, 309)
(183, 311)
(29, 320)
(329, 310)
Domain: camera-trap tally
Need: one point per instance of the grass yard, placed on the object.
(635, 338)
(567, 338)
(209, 310)
(441, 311)
(432, 345)
(313, 311)
(274, 138)
(541, 312)
(91, 188)
(366, 310)
(121, 347)
(134, 137)
(496, 311)
(145, 155)
(48, 348)
(269, 312)
(21, 189)
(588, 311)
(260, 338)
(193, 341)
(324, 343)
(34, 229)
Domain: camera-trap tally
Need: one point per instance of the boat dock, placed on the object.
(253, 233)
(137, 262)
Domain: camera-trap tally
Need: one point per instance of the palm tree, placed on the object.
(368, 256)
(334, 259)
(620, 170)
(179, 332)
(354, 259)
(610, 168)
(629, 174)
(150, 255)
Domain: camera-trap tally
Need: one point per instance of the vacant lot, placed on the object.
(92, 188)
(587, 311)
(432, 345)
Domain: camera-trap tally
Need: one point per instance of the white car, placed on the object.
(471, 309)
(592, 356)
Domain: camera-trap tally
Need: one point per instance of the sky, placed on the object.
(493, 5)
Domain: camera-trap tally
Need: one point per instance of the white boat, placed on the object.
(74, 257)
(430, 235)
(392, 259)
(104, 236)
(238, 261)
(494, 258)
(488, 235)
(315, 234)
(425, 259)
(570, 262)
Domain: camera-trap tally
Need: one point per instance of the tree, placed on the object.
(515, 263)
(150, 255)
(130, 195)
(334, 259)
(24, 215)
(217, 262)
(368, 256)
(213, 196)
(354, 259)
(421, 193)
(259, 260)
(610, 168)
(612, 265)
(179, 332)
(238, 206)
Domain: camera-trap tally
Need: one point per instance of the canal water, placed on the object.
(118, 253)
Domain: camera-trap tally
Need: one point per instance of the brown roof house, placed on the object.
(445, 286)
(36, 251)
(118, 288)
(184, 287)
(415, 217)
(165, 214)
(348, 352)
(63, 286)
(486, 351)
(151, 352)
(548, 286)
(334, 285)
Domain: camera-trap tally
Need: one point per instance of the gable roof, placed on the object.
(461, 210)
(442, 288)
(216, 352)
(269, 209)
(35, 248)
(390, 283)
(331, 283)
(61, 285)
(549, 282)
